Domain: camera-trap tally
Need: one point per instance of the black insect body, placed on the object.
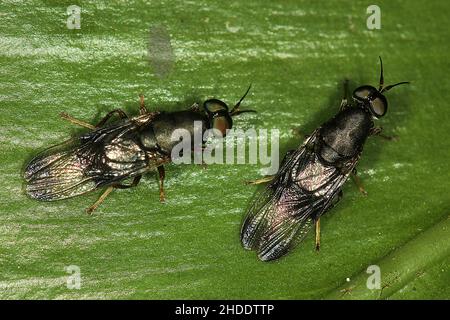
(310, 178)
(110, 154)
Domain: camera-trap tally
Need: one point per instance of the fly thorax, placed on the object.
(183, 126)
(344, 135)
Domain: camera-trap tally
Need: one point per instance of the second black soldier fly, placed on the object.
(310, 178)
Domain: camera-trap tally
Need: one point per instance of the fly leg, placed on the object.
(202, 149)
(317, 219)
(119, 112)
(134, 183)
(344, 101)
(262, 180)
(100, 200)
(109, 190)
(73, 120)
(142, 108)
(318, 234)
(358, 183)
(81, 123)
(162, 175)
(376, 131)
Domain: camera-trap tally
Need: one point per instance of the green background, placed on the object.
(296, 54)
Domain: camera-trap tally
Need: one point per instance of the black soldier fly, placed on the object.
(308, 183)
(111, 153)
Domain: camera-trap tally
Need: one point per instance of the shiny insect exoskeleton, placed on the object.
(310, 178)
(112, 153)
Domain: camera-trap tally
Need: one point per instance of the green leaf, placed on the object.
(406, 265)
(296, 54)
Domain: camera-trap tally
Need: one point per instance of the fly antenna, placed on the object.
(393, 85)
(235, 110)
(381, 75)
(381, 89)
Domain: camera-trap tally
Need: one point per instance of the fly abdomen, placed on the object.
(315, 176)
(328, 154)
(310, 179)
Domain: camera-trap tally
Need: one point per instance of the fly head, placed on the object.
(371, 98)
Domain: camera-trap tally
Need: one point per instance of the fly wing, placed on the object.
(59, 173)
(99, 158)
(284, 213)
(274, 221)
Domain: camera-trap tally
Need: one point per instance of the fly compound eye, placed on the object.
(378, 106)
(218, 115)
(213, 106)
(364, 92)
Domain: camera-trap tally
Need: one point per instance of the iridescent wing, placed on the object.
(285, 211)
(98, 158)
(59, 173)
